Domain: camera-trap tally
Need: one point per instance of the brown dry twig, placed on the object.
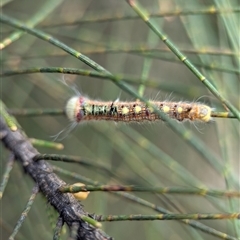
(69, 209)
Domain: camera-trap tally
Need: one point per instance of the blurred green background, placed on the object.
(111, 34)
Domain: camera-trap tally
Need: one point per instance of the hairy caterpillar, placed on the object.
(79, 108)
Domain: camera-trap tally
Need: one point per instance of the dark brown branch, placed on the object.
(41, 172)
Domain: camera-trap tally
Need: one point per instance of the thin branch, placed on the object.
(175, 216)
(25, 212)
(159, 190)
(6, 175)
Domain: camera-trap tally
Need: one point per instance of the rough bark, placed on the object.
(41, 172)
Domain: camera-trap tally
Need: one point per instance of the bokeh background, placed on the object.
(111, 34)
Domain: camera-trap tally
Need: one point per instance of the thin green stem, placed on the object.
(91, 221)
(25, 212)
(32, 112)
(159, 190)
(181, 89)
(44, 11)
(8, 118)
(120, 16)
(74, 159)
(46, 37)
(58, 229)
(6, 175)
(47, 144)
(195, 216)
(146, 18)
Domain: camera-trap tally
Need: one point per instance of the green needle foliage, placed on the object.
(182, 175)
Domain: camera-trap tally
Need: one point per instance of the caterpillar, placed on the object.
(79, 109)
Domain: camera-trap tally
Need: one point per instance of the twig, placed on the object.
(41, 172)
